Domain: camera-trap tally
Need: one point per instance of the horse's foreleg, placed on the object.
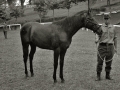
(25, 56)
(31, 55)
(62, 55)
(56, 55)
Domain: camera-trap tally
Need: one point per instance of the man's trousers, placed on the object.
(105, 53)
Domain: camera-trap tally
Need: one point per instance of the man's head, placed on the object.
(107, 18)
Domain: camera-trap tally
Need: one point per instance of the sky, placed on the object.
(18, 2)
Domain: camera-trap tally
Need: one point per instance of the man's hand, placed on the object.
(96, 42)
(116, 51)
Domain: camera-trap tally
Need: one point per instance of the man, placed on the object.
(107, 47)
(5, 29)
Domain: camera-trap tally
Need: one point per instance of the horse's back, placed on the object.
(48, 36)
(44, 36)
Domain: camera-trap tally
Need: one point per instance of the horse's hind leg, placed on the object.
(25, 57)
(32, 52)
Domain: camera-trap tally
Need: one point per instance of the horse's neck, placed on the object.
(72, 31)
(71, 25)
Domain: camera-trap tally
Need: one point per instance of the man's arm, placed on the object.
(96, 38)
(115, 44)
(3, 27)
(115, 41)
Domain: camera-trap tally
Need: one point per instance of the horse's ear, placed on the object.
(90, 12)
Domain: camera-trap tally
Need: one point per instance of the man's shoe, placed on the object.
(98, 76)
(98, 79)
(108, 76)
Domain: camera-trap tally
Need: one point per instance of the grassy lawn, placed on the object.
(79, 68)
(80, 60)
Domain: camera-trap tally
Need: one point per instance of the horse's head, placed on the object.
(90, 23)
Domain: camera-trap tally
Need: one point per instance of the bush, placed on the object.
(1, 20)
(103, 9)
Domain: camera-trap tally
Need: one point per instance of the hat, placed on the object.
(107, 16)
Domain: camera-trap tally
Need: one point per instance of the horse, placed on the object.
(56, 36)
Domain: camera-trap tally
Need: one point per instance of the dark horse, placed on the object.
(56, 36)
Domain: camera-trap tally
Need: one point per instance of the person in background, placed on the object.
(5, 29)
(107, 47)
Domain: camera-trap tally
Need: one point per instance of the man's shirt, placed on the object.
(5, 28)
(108, 34)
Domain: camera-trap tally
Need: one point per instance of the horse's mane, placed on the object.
(71, 21)
(82, 12)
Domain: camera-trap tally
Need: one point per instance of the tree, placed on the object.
(53, 6)
(30, 2)
(108, 3)
(10, 2)
(41, 8)
(76, 1)
(83, 0)
(2, 14)
(68, 5)
(22, 3)
(15, 11)
(2, 2)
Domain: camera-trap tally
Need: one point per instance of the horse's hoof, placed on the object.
(62, 81)
(55, 81)
(27, 75)
(32, 74)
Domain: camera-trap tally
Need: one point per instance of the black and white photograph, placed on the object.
(59, 44)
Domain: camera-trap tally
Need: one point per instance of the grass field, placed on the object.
(79, 68)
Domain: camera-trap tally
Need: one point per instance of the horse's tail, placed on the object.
(25, 29)
(25, 33)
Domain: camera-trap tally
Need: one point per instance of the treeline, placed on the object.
(41, 6)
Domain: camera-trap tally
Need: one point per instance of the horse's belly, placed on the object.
(46, 46)
(46, 42)
(41, 43)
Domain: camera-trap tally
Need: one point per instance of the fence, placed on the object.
(11, 25)
(15, 25)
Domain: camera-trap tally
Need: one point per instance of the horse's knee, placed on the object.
(25, 56)
(30, 56)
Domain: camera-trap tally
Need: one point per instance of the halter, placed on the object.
(89, 20)
(104, 58)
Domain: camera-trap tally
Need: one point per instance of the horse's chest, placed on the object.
(54, 40)
(60, 40)
(65, 41)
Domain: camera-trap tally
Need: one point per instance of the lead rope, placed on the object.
(104, 58)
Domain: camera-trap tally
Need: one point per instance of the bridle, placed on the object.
(88, 21)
